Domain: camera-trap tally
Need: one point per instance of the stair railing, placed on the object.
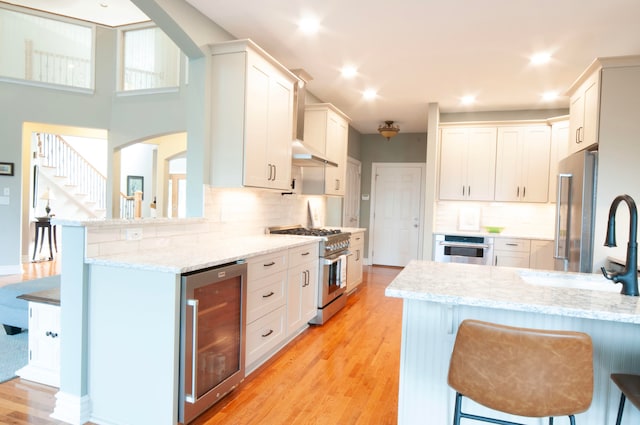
(56, 153)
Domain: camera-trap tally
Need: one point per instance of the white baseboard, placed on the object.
(11, 269)
(72, 409)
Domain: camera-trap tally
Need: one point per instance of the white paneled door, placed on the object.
(352, 194)
(396, 214)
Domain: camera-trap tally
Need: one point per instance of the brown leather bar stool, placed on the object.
(630, 387)
(519, 371)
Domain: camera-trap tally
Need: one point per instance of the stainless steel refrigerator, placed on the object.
(575, 211)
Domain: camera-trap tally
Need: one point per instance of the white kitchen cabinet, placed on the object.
(266, 305)
(467, 163)
(252, 99)
(559, 150)
(511, 252)
(326, 130)
(44, 345)
(541, 257)
(584, 113)
(522, 163)
(354, 261)
(302, 287)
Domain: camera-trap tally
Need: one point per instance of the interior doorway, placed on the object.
(397, 213)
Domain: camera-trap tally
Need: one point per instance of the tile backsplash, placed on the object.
(228, 213)
(525, 220)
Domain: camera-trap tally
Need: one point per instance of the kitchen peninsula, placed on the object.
(438, 296)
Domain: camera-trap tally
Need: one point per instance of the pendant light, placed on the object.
(388, 130)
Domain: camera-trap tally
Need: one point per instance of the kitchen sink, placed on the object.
(590, 281)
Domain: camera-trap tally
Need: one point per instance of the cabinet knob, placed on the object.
(51, 334)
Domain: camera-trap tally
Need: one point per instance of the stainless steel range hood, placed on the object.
(304, 156)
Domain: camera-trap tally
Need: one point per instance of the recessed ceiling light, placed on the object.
(467, 100)
(370, 94)
(349, 72)
(540, 58)
(549, 96)
(309, 25)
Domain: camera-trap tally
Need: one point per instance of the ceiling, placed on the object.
(415, 52)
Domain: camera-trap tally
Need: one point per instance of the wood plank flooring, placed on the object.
(344, 372)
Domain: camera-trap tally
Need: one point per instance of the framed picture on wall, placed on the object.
(134, 184)
(6, 168)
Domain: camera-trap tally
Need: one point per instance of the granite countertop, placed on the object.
(507, 288)
(186, 258)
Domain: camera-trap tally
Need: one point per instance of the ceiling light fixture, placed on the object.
(309, 25)
(349, 72)
(370, 94)
(549, 96)
(467, 100)
(388, 130)
(540, 58)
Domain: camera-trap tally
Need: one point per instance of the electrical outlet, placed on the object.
(133, 234)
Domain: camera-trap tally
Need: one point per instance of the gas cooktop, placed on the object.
(303, 231)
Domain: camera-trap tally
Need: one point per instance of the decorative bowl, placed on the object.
(494, 229)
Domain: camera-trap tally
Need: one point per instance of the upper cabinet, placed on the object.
(326, 130)
(583, 115)
(522, 163)
(467, 163)
(252, 105)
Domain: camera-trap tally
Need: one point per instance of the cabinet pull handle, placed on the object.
(305, 253)
(275, 172)
(269, 264)
(268, 333)
(469, 190)
(193, 335)
(511, 244)
(306, 278)
(496, 261)
(357, 255)
(524, 192)
(270, 294)
(463, 190)
(518, 192)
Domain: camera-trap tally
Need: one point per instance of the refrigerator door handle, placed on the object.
(559, 193)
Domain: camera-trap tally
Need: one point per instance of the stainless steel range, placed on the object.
(332, 274)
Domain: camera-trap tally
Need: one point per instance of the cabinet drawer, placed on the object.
(264, 334)
(303, 254)
(264, 265)
(513, 245)
(265, 295)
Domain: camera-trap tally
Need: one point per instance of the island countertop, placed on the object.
(507, 289)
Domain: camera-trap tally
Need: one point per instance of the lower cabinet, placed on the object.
(541, 257)
(44, 345)
(508, 252)
(524, 253)
(354, 261)
(281, 299)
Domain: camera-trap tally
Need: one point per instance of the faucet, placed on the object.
(629, 276)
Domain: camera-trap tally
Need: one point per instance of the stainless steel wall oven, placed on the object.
(463, 249)
(212, 336)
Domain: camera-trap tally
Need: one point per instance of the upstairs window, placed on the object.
(42, 50)
(150, 60)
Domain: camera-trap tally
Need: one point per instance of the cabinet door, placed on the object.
(541, 257)
(354, 261)
(301, 299)
(509, 164)
(257, 169)
(337, 135)
(481, 164)
(535, 164)
(279, 133)
(522, 164)
(453, 163)
(584, 114)
(44, 336)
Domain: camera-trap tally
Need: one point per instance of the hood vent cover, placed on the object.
(304, 156)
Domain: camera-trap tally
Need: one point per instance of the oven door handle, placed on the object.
(333, 258)
(464, 244)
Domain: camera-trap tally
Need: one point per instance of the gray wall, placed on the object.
(405, 147)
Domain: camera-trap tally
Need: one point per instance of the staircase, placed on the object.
(82, 187)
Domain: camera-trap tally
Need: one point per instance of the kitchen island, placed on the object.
(438, 296)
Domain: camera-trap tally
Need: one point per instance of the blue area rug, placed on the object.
(13, 353)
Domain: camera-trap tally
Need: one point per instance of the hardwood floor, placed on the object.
(33, 271)
(344, 372)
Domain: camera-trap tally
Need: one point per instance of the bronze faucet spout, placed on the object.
(629, 276)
